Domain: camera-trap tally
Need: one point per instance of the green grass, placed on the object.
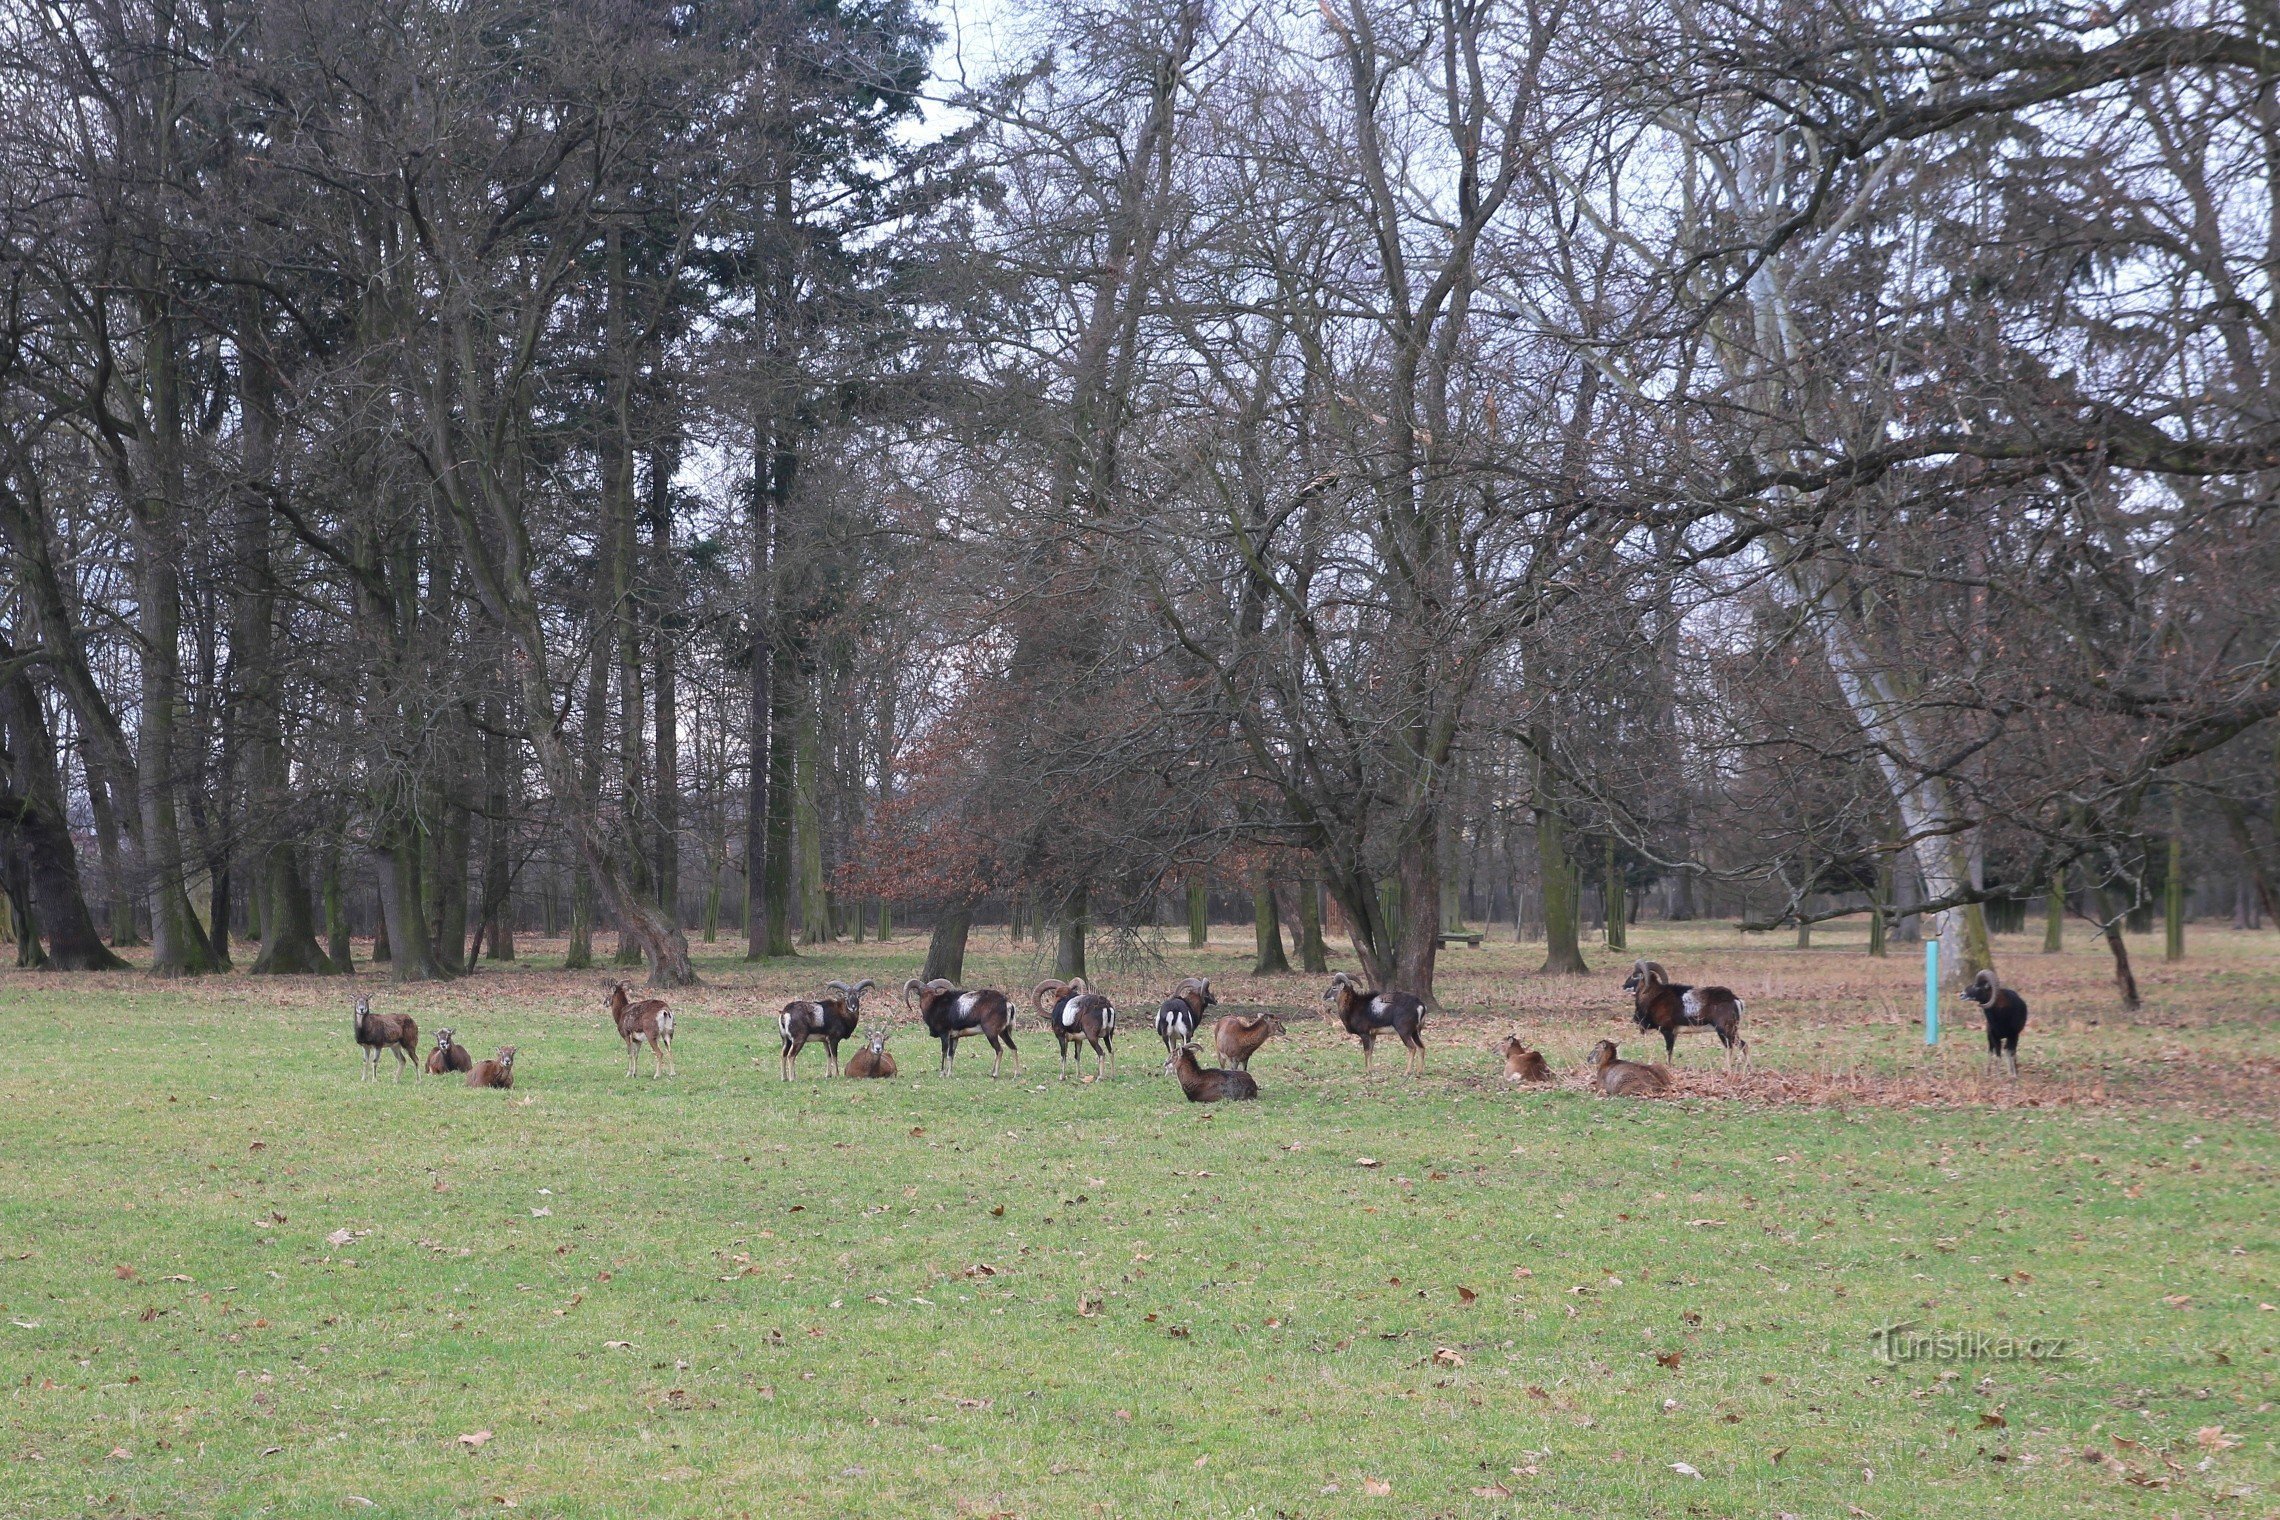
(724, 1296)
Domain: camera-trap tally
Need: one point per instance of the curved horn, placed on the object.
(1048, 992)
(861, 987)
(909, 987)
(841, 988)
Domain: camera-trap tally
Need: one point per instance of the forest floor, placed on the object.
(234, 1281)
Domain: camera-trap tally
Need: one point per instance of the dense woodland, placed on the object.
(777, 471)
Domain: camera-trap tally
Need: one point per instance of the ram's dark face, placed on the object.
(444, 1037)
(1631, 982)
(1981, 991)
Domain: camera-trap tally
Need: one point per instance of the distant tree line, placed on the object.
(1372, 466)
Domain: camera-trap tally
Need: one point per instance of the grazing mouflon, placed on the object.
(449, 1055)
(1209, 1084)
(499, 1071)
(2006, 1020)
(1238, 1037)
(1520, 1063)
(1366, 1015)
(648, 1022)
(951, 1014)
(830, 1020)
(1182, 1013)
(1626, 1079)
(376, 1032)
(872, 1060)
(1670, 1008)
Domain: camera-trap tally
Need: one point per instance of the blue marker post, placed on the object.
(1932, 991)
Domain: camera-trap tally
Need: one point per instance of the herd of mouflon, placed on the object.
(1082, 1018)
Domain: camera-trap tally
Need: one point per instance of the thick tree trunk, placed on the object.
(1198, 913)
(1563, 949)
(411, 955)
(35, 837)
(946, 949)
(2054, 914)
(1313, 954)
(1416, 946)
(1266, 923)
(1069, 950)
(178, 944)
(337, 947)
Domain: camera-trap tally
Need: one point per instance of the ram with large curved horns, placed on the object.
(829, 1019)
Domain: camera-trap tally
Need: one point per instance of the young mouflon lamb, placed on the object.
(1520, 1063)
(648, 1022)
(1238, 1037)
(1626, 1079)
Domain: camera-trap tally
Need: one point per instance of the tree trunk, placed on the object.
(776, 881)
(35, 837)
(667, 804)
(383, 953)
(807, 823)
(1069, 945)
(2054, 915)
(1267, 929)
(1613, 899)
(2173, 890)
(337, 947)
(178, 945)
(1563, 949)
(443, 879)
(497, 916)
(946, 949)
(2125, 980)
(1313, 953)
(411, 955)
(1198, 913)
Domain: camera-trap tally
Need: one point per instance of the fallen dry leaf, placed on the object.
(1669, 1359)
(475, 1440)
(1493, 1491)
(1685, 1469)
(1377, 1488)
(1366, 1161)
(1466, 1295)
(340, 1238)
(2215, 1438)
(1447, 1356)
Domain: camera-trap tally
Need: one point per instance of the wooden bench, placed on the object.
(1469, 941)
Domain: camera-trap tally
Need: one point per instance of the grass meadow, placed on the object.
(236, 1281)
